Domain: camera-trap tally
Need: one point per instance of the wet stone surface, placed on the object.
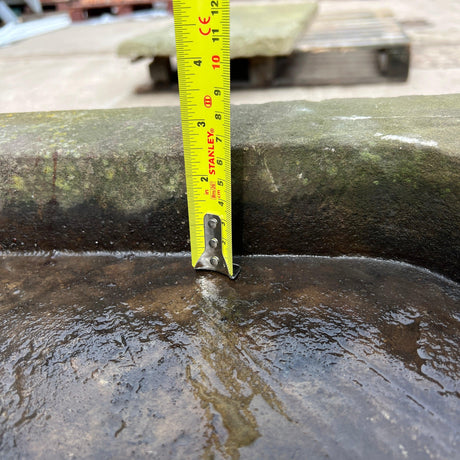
(134, 357)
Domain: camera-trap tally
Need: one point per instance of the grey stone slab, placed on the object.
(260, 29)
(377, 177)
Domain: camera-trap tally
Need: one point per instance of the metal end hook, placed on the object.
(212, 257)
(236, 272)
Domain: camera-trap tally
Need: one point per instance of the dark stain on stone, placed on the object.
(401, 339)
(89, 227)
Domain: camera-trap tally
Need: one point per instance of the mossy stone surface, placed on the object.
(378, 177)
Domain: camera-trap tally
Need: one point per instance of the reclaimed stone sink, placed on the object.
(113, 347)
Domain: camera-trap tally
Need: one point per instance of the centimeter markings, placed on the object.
(202, 30)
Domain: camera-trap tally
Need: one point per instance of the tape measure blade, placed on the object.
(202, 30)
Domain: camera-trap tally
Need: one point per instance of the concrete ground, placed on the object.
(77, 67)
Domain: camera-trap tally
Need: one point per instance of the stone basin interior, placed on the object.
(129, 353)
(138, 356)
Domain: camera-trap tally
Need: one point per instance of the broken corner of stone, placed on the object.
(369, 177)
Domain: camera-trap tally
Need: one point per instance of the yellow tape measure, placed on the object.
(202, 30)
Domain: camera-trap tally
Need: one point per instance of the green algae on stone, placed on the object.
(94, 158)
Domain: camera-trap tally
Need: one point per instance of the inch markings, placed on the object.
(204, 89)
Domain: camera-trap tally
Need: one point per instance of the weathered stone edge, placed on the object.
(378, 177)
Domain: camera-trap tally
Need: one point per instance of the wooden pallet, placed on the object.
(350, 48)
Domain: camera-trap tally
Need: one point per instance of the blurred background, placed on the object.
(66, 55)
